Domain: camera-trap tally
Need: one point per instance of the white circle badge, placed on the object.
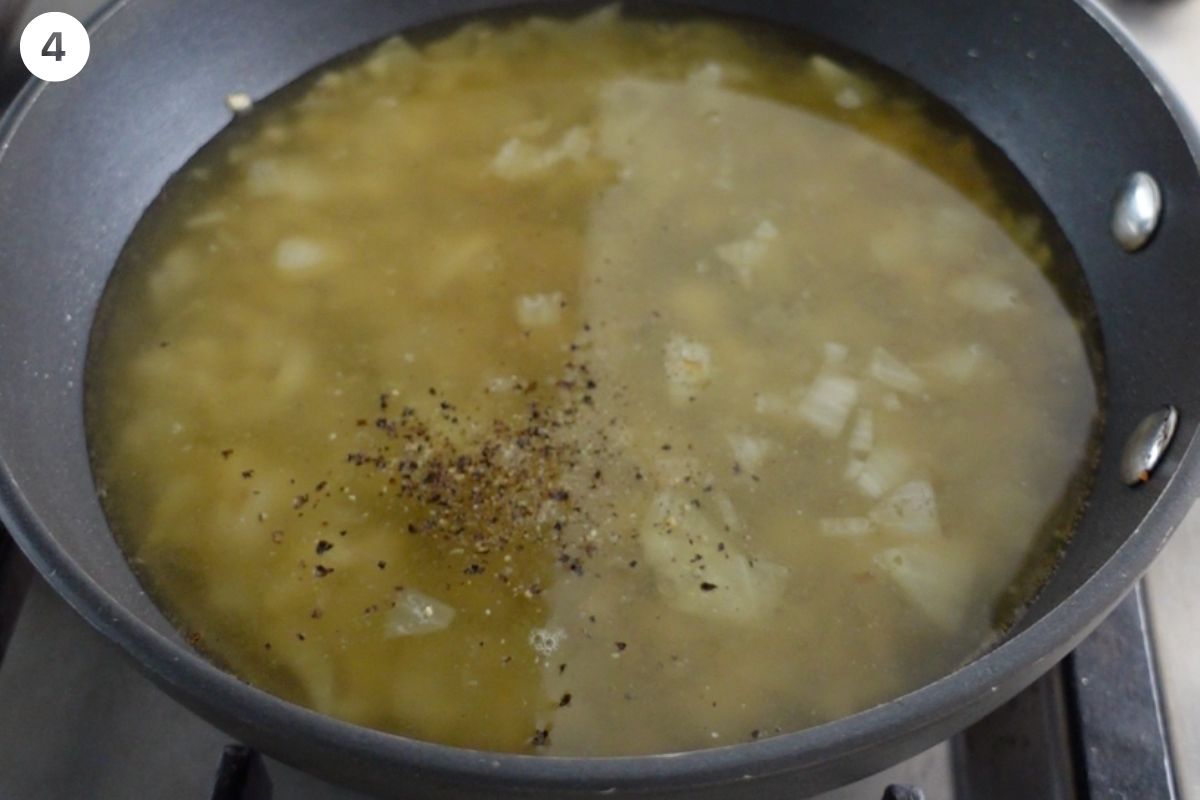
(55, 46)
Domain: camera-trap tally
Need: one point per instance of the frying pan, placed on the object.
(1054, 85)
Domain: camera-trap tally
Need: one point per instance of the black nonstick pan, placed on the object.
(1054, 85)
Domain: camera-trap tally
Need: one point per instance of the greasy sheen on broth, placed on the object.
(596, 386)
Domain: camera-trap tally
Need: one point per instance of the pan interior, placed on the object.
(743, 282)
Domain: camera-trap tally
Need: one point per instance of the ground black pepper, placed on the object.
(489, 489)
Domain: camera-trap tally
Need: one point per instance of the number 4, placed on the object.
(56, 40)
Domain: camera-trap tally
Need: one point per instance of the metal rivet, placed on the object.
(1137, 212)
(1147, 444)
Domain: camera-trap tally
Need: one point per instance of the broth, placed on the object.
(592, 387)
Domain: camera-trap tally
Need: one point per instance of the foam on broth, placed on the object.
(592, 387)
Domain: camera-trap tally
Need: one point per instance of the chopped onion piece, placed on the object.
(296, 254)
(894, 373)
(770, 403)
(206, 219)
(701, 571)
(849, 91)
(539, 310)
(269, 176)
(937, 581)
(394, 53)
(518, 159)
(891, 402)
(729, 515)
(749, 451)
(862, 435)
(854, 468)
(882, 470)
(836, 353)
(688, 364)
(712, 75)
(766, 231)
(960, 364)
(708, 74)
(831, 72)
(416, 614)
(828, 404)
(602, 17)
(176, 275)
(985, 293)
(846, 527)
(910, 510)
(848, 98)
(746, 254)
